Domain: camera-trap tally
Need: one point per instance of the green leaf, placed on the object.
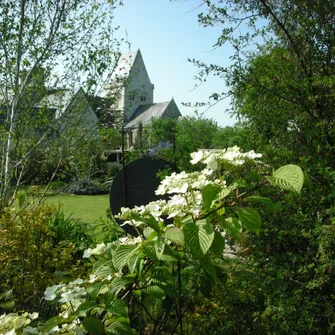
(149, 233)
(118, 307)
(224, 192)
(93, 325)
(154, 291)
(175, 235)
(198, 237)
(86, 306)
(170, 255)
(288, 177)
(120, 283)
(147, 219)
(119, 328)
(209, 267)
(218, 244)
(250, 218)
(148, 248)
(51, 323)
(266, 202)
(121, 254)
(209, 193)
(159, 247)
(94, 290)
(103, 266)
(132, 262)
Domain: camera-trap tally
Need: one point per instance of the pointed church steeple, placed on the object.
(132, 81)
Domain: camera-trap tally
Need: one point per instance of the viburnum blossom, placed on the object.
(99, 249)
(185, 188)
(214, 157)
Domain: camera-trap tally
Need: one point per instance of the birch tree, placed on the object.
(47, 45)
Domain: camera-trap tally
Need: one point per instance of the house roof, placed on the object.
(145, 113)
(59, 101)
(124, 65)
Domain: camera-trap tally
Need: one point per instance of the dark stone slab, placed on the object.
(135, 185)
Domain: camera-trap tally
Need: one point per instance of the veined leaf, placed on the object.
(86, 306)
(159, 247)
(148, 248)
(149, 233)
(273, 206)
(218, 244)
(94, 290)
(121, 255)
(154, 291)
(119, 328)
(120, 283)
(209, 193)
(175, 235)
(118, 307)
(250, 218)
(170, 255)
(132, 262)
(103, 266)
(147, 219)
(288, 177)
(51, 323)
(198, 237)
(224, 192)
(93, 325)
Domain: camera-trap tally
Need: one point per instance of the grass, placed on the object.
(87, 208)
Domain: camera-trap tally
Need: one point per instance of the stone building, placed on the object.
(133, 94)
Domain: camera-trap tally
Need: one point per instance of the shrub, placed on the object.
(87, 187)
(31, 255)
(113, 168)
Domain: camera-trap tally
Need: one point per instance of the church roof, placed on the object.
(145, 113)
(124, 65)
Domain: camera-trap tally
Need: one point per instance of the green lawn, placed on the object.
(88, 208)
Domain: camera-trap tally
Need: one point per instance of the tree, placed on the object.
(285, 83)
(47, 45)
(281, 81)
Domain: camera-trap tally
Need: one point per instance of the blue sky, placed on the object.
(168, 34)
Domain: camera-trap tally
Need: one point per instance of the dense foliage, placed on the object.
(281, 82)
(155, 282)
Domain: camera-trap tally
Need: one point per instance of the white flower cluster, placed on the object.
(233, 156)
(185, 197)
(185, 188)
(183, 181)
(68, 292)
(98, 250)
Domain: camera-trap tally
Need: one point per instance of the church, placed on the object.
(133, 93)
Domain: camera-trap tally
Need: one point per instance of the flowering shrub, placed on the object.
(147, 281)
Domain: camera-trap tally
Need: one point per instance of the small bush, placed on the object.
(88, 187)
(67, 228)
(113, 168)
(31, 254)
